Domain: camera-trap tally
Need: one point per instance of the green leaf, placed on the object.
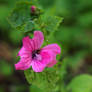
(21, 18)
(82, 83)
(52, 23)
(49, 23)
(43, 80)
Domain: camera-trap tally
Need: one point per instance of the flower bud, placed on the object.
(33, 9)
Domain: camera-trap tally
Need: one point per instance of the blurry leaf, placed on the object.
(5, 68)
(83, 5)
(5, 7)
(32, 1)
(75, 61)
(46, 3)
(72, 62)
(62, 8)
(16, 37)
(72, 37)
(3, 14)
(82, 83)
(85, 20)
(34, 88)
(45, 80)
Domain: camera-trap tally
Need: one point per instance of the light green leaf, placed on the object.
(82, 83)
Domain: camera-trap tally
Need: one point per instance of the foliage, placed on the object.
(20, 16)
(74, 68)
(81, 83)
(45, 80)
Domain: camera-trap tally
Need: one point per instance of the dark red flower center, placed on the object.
(34, 53)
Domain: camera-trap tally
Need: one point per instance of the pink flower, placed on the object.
(31, 54)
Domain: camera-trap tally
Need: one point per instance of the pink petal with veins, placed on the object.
(27, 43)
(38, 65)
(53, 47)
(23, 64)
(38, 39)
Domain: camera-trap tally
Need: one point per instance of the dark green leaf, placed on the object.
(21, 18)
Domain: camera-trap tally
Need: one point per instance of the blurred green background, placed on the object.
(74, 35)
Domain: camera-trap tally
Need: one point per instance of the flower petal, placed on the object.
(35, 43)
(23, 64)
(28, 43)
(53, 47)
(38, 66)
(53, 62)
(25, 61)
(24, 53)
(49, 57)
(38, 39)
